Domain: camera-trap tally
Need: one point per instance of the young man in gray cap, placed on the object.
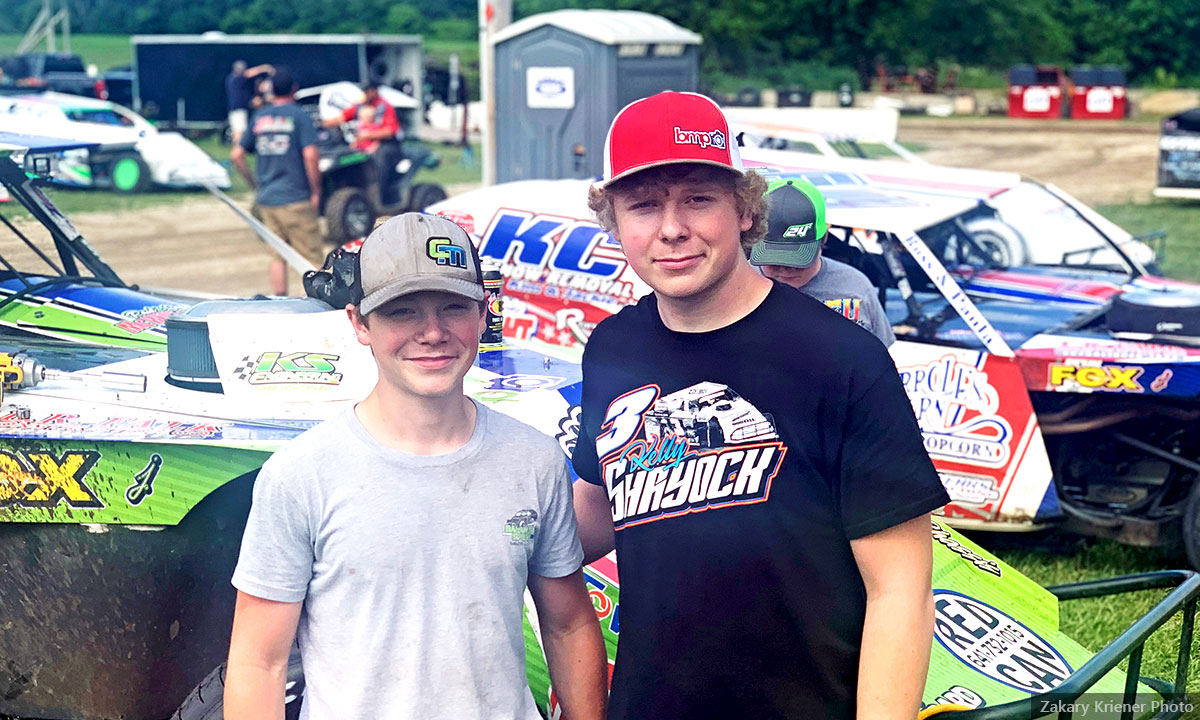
(400, 536)
(790, 252)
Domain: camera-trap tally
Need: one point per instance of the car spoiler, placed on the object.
(1127, 646)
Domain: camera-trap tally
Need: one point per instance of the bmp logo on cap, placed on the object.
(712, 138)
(446, 252)
(797, 231)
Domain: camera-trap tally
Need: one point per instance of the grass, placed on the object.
(1181, 258)
(103, 51)
(1055, 559)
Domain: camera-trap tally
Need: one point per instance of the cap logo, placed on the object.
(712, 138)
(797, 231)
(446, 252)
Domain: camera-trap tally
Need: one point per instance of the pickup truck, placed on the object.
(60, 72)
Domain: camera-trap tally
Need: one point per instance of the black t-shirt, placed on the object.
(740, 463)
(239, 91)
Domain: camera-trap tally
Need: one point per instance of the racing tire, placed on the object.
(714, 437)
(130, 174)
(207, 700)
(1191, 527)
(1005, 245)
(426, 194)
(349, 215)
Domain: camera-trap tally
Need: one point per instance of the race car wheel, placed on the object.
(715, 437)
(129, 174)
(207, 700)
(426, 194)
(1000, 241)
(1191, 527)
(349, 215)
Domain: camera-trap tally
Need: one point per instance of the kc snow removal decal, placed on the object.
(993, 643)
(703, 447)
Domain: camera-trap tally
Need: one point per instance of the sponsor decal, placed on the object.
(446, 252)
(797, 231)
(38, 479)
(606, 608)
(524, 383)
(942, 536)
(697, 449)
(966, 489)
(1107, 378)
(464, 220)
(547, 250)
(147, 318)
(996, 645)
(568, 430)
(957, 409)
(1160, 383)
(849, 308)
(958, 695)
(17, 422)
(522, 527)
(296, 368)
(705, 139)
(143, 482)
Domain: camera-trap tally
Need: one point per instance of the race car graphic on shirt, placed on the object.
(709, 415)
(700, 448)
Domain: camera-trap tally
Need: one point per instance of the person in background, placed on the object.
(790, 252)
(378, 134)
(239, 94)
(287, 181)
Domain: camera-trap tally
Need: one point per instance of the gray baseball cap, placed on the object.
(414, 252)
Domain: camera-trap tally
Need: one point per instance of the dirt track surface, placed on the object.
(1100, 162)
(199, 244)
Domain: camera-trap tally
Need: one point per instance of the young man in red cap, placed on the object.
(753, 456)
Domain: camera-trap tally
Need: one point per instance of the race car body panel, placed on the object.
(172, 160)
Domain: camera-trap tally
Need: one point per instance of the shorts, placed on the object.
(296, 224)
(238, 120)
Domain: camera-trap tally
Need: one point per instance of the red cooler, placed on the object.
(1098, 93)
(1035, 92)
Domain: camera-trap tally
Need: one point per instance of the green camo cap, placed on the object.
(795, 225)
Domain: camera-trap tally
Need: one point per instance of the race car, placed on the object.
(136, 466)
(709, 415)
(1055, 392)
(127, 153)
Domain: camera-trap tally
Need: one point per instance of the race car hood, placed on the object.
(176, 161)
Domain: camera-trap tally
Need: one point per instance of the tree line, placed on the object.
(1153, 40)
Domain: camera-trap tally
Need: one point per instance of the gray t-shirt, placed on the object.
(278, 134)
(412, 568)
(850, 293)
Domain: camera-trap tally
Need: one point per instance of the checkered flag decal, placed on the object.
(245, 368)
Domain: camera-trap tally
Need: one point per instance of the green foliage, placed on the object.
(757, 39)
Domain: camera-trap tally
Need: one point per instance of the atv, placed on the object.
(353, 193)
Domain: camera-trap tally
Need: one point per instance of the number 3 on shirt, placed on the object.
(624, 419)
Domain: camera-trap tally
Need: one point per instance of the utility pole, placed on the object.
(493, 16)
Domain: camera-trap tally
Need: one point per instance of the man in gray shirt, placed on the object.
(791, 253)
(396, 541)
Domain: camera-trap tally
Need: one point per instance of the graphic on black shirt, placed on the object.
(699, 448)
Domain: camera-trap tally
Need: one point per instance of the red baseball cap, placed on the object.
(665, 129)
